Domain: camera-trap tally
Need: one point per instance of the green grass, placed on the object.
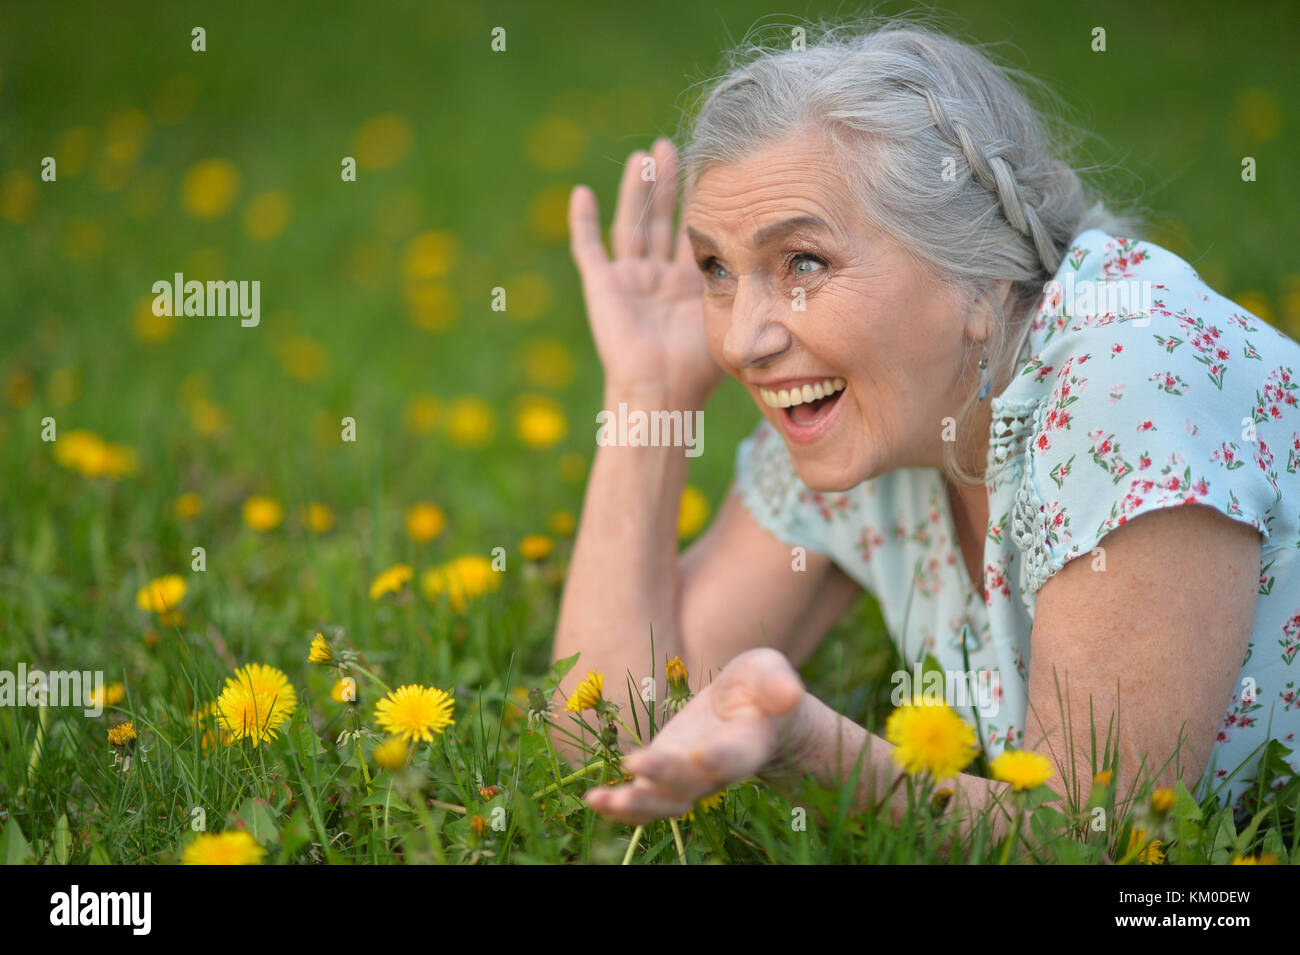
(280, 93)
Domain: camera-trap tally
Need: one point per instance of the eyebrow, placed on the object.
(768, 233)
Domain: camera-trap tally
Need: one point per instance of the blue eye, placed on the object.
(806, 259)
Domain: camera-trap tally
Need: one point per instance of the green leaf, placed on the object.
(305, 740)
(296, 833)
(62, 841)
(561, 668)
(13, 847)
(256, 817)
(1225, 835)
(1273, 843)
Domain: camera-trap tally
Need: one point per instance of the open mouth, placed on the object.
(804, 405)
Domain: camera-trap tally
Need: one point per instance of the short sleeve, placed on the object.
(773, 493)
(1143, 411)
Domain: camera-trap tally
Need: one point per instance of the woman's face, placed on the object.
(804, 298)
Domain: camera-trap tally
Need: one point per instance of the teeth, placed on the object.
(798, 396)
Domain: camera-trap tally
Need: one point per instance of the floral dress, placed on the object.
(1113, 412)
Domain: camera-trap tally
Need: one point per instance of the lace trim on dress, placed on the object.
(1027, 523)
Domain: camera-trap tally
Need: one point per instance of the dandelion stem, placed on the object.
(677, 839)
(631, 846)
(581, 773)
(550, 747)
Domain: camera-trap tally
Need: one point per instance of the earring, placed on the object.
(985, 383)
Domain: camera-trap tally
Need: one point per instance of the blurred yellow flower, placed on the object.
(548, 214)
(18, 197)
(391, 580)
(707, 804)
(125, 135)
(1022, 769)
(86, 452)
(151, 328)
(573, 468)
(392, 754)
(528, 295)
(162, 594)
(266, 215)
(65, 386)
(237, 847)
(209, 188)
(263, 513)
(563, 523)
(1259, 114)
(430, 255)
(382, 141)
(462, 580)
(422, 414)
(19, 389)
(424, 522)
(549, 364)
(433, 306)
(1264, 858)
(316, 517)
(344, 691)
(255, 703)
(73, 150)
(1257, 305)
(302, 358)
(1162, 800)
(208, 417)
(109, 695)
(930, 737)
(556, 144)
(471, 422)
(536, 547)
(692, 513)
(540, 422)
(1103, 778)
(587, 694)
(415, 713)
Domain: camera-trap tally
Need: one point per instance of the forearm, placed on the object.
(622, 580)
(827, 745)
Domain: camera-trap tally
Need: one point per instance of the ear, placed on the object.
(979, 324)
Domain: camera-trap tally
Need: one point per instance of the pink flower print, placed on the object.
(1146, 426)
(870, 542)
(1290, 642)
(1115, 349)
(1116, 393)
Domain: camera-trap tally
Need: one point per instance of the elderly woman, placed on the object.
(1055, 456)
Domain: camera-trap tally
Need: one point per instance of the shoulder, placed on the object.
(1150, 390)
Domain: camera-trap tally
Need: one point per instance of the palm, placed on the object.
(644, 304)
(731, 731)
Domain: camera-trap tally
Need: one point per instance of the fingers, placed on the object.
(730, 754)
(584, 230)
(630, 233)
(663, 199)
(636, 803)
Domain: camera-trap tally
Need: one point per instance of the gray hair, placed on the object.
(946, 153)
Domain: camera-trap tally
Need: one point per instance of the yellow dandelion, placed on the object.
(391, 581)
(1264, 858)
(317, 517)
(392, 754)
(187, 506)
(931, 738)
(424, 522)
(122, 735)
(266, 215)
(549, 364)
(462, 580)
(236, 847)
(1162, 800)
(151, 328)
(693, 512)
(256, 702)
(528, 295)
(303, 358)
(540, 423)
(430, 255)
(557, 143)
(382, 141)
(263, 514)
(162, 594)
(471, 422)
(563, 523)
(209, 188)
(677, 675)
(707, 804)
(536, 547)
(588, 693)
(345, 691)
(415, 713)
(1022, 769)
(422, 414)
(1102, 779)
(1150, 853)
(320, 652)
(109, 695)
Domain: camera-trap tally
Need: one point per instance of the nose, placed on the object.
(757, 333)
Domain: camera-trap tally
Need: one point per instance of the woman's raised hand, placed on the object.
(644, 305)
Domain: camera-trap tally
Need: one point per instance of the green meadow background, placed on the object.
(376, 305)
